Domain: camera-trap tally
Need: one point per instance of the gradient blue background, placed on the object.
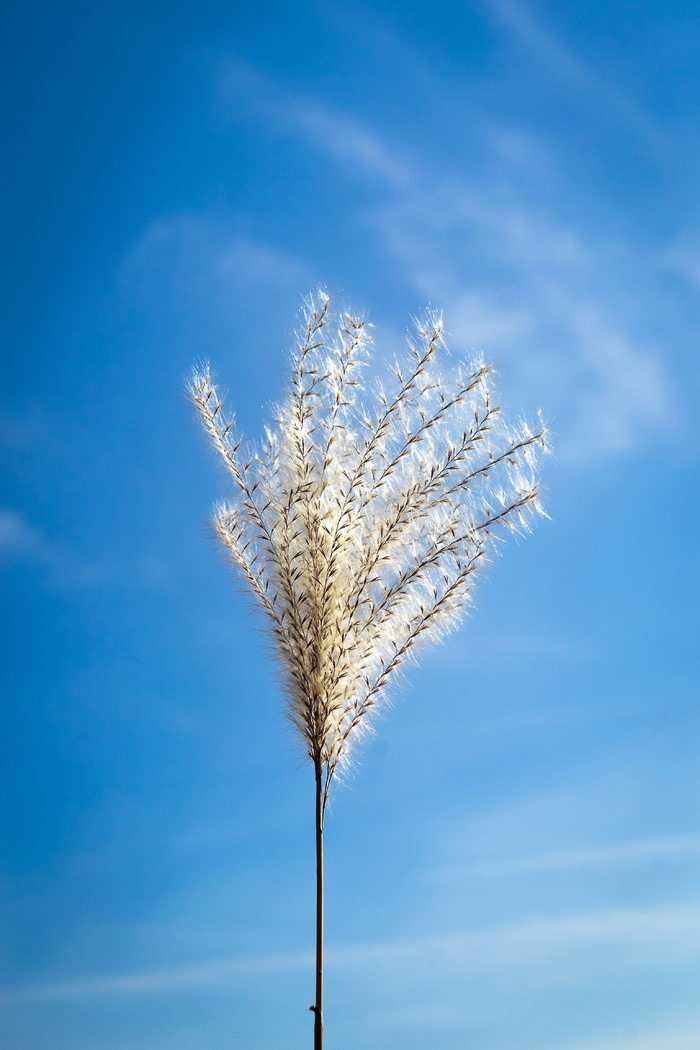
(515, 863)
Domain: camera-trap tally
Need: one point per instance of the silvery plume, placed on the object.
(362, 522)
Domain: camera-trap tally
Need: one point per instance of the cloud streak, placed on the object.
(514, 279)
(22, 544)
(19, 541)
(543, 45)
(686, 1038)
(172, 979)
(666, 848)
(645, 935)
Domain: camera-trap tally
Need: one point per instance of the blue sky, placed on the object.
(514, 864)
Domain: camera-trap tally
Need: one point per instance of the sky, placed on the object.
(514, 861)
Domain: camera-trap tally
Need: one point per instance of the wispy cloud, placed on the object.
(349, 140)
(23, 544)
(208, 288)
(683, 257)
(19, 540)
(646, 935)
(57, 564)
(244, 89)
(669, 847)
(172, 979)
(563, 64)
(675, 1038)
(515, 279)
(484, 648)
(197, 261)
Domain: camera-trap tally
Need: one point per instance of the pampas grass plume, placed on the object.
(362, 522)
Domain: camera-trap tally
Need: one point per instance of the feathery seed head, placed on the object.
(362, 522)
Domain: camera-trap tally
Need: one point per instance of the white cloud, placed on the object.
(683, 257)
(535, 305)
(650, 934)
(549, 950)
(483, 648)
(18, 539)
(172, 979)
(350, 140)
(197, 256)
(243, 88)
(22, 543)
(514, 278)
(668, 847)
(569, 69)
(686, 1038)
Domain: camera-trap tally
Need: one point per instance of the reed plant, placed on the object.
(361, 523)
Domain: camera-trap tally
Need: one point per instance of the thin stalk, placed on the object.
(318, 1008)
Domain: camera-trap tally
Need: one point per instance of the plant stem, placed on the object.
(318, 1008)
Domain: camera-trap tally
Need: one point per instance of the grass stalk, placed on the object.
(320, 812)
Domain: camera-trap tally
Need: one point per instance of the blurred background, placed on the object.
(515, 861)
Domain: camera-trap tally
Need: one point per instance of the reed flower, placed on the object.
(362, 522)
